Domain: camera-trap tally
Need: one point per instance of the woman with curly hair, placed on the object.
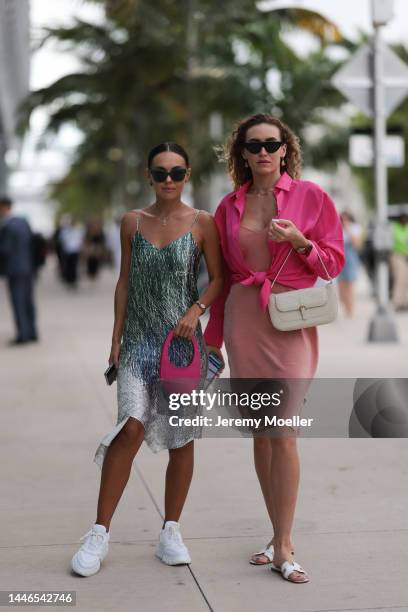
(272, 224)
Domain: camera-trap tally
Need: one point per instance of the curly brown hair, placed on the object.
(232, 152)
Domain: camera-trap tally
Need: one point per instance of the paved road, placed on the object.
(351, 525)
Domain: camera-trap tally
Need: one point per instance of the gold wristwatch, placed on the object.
(202, 306)
(305, 250)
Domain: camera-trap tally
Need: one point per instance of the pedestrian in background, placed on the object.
(399, 262)
(94, 248)
(57, 246)
(352, 234)
(17, 265)
(367, 255)
(113, 242)
(71, 238)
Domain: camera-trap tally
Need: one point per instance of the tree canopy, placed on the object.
(172, 71)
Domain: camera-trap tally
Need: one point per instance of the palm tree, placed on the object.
(159, 71)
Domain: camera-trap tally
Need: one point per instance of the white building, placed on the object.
(14, 73)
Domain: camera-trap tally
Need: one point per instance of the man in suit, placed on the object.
(16, 264)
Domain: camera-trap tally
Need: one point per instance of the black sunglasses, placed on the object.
(271, 146)
(176, 174)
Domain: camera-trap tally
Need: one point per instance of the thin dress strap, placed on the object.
(137, 222)
(195, 218)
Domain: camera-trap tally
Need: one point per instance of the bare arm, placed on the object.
(215, 272)
(212, 253)
(121, 291)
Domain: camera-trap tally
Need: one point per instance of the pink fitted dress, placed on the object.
(255, 348)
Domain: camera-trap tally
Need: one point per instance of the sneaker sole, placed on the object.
(78, 569)
(84, 572)
(169, 560)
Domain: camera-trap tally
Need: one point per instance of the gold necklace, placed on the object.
(163, 218)
(262, 193)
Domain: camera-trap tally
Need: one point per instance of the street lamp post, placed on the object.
(382, 326)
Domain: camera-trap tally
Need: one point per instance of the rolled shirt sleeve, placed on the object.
(327, 241)
(214, 331)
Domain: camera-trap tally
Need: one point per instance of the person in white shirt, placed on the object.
(71, 238)
(113, 242)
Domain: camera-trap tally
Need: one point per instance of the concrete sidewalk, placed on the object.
(351, 530)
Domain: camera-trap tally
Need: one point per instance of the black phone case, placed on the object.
(110, 374)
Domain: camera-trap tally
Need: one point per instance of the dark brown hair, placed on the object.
(239, 173)
(6, 201)
(348, 215)
(167, 146)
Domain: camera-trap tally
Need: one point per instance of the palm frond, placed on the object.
(316, 24)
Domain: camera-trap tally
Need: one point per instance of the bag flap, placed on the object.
(316, 296)
(287, 301)
(292, 300)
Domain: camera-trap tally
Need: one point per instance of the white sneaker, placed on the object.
(87, 560)
(171, 548)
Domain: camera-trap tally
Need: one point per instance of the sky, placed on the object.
(48, 64)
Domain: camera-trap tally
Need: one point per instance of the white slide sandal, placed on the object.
(287, 568)
(267, 552)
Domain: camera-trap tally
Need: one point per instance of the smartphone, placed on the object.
(278, 221)
(110, 374)
(214, 366)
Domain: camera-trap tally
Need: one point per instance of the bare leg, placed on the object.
(178, 478)
(116, 469)
(350, 299)
(400, 286)
(263, 466)
(342, 293)
(285, 483)
(346, 297)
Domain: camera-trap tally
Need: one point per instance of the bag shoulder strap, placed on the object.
(325, 269)
(287, 257)
(280, 269)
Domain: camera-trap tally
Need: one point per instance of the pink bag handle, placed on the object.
(171, 373)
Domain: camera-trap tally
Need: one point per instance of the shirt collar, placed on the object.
(285, 182)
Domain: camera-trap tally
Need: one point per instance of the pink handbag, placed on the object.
(175, 379)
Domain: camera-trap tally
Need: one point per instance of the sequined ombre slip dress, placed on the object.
(162, 286)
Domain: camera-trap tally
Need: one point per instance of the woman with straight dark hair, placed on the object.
(157, 311)
(273, 225)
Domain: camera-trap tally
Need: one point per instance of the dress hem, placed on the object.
(107, 440)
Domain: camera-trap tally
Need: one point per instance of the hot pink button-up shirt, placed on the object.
(314, 214)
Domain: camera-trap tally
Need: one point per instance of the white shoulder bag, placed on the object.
(303, 307)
